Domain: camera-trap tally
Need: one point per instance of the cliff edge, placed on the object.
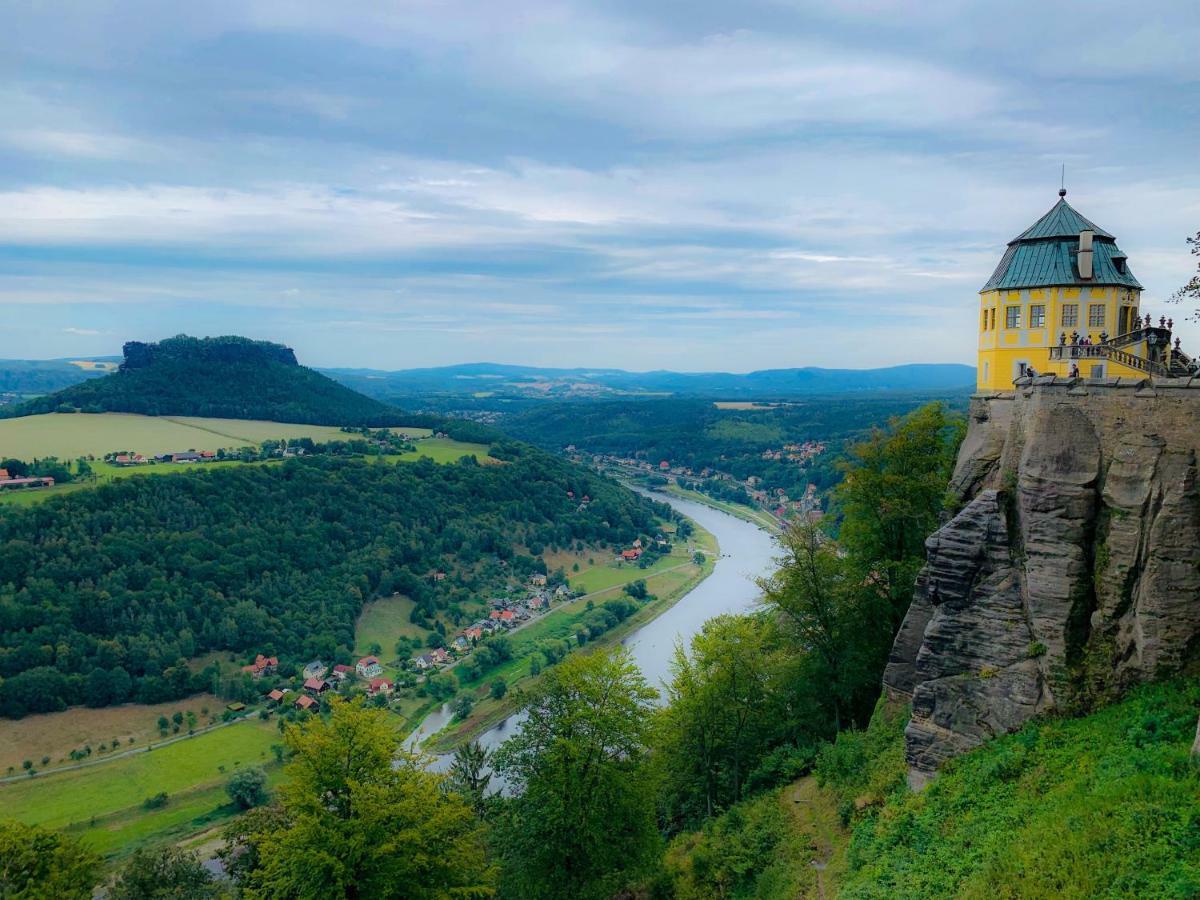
(1070, 571)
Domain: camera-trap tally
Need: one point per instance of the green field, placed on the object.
(71, 435)
(445, 450)
(104, 802)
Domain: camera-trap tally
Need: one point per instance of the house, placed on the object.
(423, 662)
(379, 686)
(275, 696)
(637, 543)
(507, 616)
(315, 669)
(236, 707)
(494, 615)
(664, 466)
(461, 644)
(630, 555)
(316, 685)
(537, 580)
(31, 482)
(185, 457)
(342, 672)
(440, 656)
(536, 602)
(305, 702)
(562, 591)
(368, 667)
(262, 665)
(474, 633)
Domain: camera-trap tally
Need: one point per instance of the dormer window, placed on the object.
(1119, 263)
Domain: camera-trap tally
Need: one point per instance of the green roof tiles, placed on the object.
(1061, 221)
(1044, 255)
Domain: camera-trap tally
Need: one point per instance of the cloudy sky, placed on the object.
(691, 185)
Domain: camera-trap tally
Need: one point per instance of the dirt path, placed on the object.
(817, 822)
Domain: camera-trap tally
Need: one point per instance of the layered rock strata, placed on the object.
(1070, 571)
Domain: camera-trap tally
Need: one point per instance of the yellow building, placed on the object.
(1063, 301)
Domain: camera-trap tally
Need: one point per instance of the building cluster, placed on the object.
(797, 453)
(319, 678)
(11, 482)
(503, 615)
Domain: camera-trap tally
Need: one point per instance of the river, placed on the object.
(747, 552)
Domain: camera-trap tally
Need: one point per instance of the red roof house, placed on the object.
(379, 686)
(305, 702)
(316, 685)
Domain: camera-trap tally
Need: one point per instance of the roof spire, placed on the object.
(1062, 185)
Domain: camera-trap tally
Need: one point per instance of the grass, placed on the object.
(1102, 806)
(445, 450)
(57, 734)
(383, 622)
(104, 803)
(71, 435)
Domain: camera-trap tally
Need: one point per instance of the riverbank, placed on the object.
(746, 513)
(668, 586)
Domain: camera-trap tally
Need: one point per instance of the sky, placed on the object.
(698, 185)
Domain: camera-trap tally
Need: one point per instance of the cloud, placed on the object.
(85, 332)
(567, 181)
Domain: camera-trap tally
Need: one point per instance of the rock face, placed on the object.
(1071, 571)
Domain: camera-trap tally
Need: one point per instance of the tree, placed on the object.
(1190, 292)
(469, 774)
(167, 873)
(358, 816)
(248, 788)
(841, 626)
(582, 822)
(890, 497)
(498, 689)
(37, 863)
(727, 704)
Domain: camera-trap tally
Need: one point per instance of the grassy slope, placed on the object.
(1102, 806)
(1107, 805)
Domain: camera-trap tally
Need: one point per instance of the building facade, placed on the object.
(1063, 301)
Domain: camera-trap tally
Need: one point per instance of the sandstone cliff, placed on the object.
(1070, 571)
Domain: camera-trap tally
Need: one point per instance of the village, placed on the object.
(776, 502)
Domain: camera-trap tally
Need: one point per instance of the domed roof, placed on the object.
(1043, 255)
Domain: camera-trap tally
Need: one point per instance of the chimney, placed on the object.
(1084, 258)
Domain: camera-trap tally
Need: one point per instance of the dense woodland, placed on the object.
(222, 377)
(696, 434)
(104, 592)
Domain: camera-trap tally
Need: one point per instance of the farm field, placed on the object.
(71, 435)
(104, 803)
(57, 734)
(382, 622)
(445, 450)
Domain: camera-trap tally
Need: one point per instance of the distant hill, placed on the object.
(220, 377)
(40, 376)
(526, 381)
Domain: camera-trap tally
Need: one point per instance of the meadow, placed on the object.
(56, 734)
(104, 804)
(71, 435)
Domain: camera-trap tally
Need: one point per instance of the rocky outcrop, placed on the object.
(1070, 572)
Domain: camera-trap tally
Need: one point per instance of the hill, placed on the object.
(220, 377)
(527, 381)
(22, 377)
(130, 578)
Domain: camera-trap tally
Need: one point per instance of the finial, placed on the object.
(1062, 192)
(1062, 185)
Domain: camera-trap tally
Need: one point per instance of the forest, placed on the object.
(220, 377)
(106, 592)
(698, 434)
